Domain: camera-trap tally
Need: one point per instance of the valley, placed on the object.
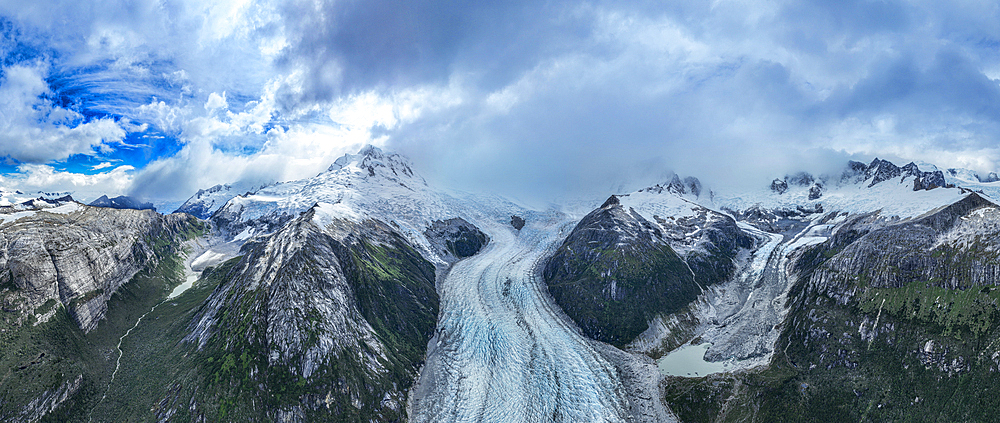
(365, 294)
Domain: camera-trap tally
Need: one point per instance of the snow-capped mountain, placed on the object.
(903, 192)
(353, 180)
(206, 201)
(16, 200)
(366, 294)
(371, 184)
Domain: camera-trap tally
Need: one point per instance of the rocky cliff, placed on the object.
(954, 247)
(331, 314)
(889, 320)
(74, 279)
(615, 272)
(78, 256)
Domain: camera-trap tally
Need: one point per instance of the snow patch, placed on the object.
(894, 198)
(12, 217)
(246, 234)
(208, 258)
(65, 208)
(326, 213)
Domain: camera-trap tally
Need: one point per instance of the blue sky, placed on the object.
(158, 98)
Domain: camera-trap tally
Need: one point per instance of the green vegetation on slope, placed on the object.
(916, 353)
(613, 294)
(233, 378)
(44, 357)
(953, 311)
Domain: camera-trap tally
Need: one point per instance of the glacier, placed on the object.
(503, 351)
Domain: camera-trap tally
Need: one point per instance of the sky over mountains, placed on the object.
(532, 99)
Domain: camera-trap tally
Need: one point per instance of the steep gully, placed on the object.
(200, 253)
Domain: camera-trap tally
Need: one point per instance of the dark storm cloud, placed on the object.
(344, 47)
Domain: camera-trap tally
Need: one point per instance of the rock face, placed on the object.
(882, 170)
(707, 241)
(689, 185)
(801, 179)
(122, 202)
(779, 186)
(777, 220)
(455, 239)
(899, 314)
(48, 401)
(517, 222)
(953, 248)
(991, 177)
(78, 256)
(615, 272)
(344, 308)
(904, 310)
(815, 192)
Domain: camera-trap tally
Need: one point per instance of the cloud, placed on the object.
(532, 99)
(295, 151)
(85, 188)
(35, 129)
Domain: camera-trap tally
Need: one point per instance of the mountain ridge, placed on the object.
(365, 294)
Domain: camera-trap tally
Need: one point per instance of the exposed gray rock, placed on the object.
(815, 192)
(779, 186)
(455, 239)
(206, 201)
(346, 306)
(517, 222)
(676, 185)
(777, 220)
(880, 171)
(708, 242)
(991, 177)
(689, 185)
(693, 185)
(48, 401)
(855, 172)
(929, 180)
(955, 247)
(801, 179)
(79, 258)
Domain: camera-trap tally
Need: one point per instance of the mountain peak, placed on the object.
(372, 161)
(371, 151)
(611, 202)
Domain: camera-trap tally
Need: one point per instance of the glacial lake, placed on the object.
(689, 361)
(191, 278)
